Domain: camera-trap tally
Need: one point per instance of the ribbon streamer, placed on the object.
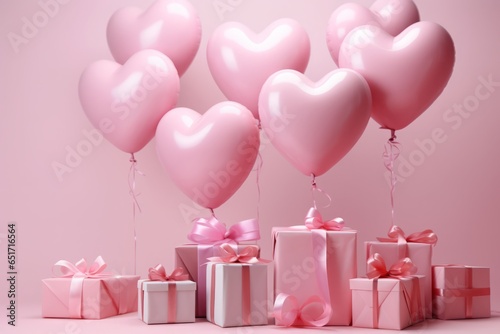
(133, 172)
(212, 231)
(288, 312)
(392, 149)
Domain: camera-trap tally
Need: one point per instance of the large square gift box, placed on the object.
(166, 298)
(417, 246)
(208, 235)
(87, 292)
(461, 292)
(388, 303)
(237, 292)
(316, 262)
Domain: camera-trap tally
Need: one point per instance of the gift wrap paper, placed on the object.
(295, 256)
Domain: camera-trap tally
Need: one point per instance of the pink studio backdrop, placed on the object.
(449, 182)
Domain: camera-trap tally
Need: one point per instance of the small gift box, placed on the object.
(417, 246)
(461, 292)
(237, 288)
(317, 259)
(388, 299)
(207, 236)
(166, 298)
(82, 291)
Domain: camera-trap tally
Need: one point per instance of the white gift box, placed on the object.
(237, 294)
(166, 302)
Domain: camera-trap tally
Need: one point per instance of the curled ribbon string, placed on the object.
(392, 149)
(314, 312)
(135, 203)
(396, 234)
(212, 231)
(229, 255)
(314, 220)
(159, 273)
(314, 189)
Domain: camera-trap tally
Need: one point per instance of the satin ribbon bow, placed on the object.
(80, 268)
(229, 255)
(159, 273)
(378, 269)
(78, 272)
(314, 220)
(314, 312)
(212, 231)
(396, 234)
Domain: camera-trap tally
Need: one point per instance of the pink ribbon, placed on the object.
(314, 220)
(229, 255)
(396, 234)
(314, 312)
(159, 273)
(212, 231)
(467, 293)
(78, 272)
(403, 268)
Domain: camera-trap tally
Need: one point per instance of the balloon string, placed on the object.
(212, 212)
(135, 203)
(315, 189)
(257, 180)
(392, 149)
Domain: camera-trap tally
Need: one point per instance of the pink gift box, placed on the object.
(237, 294)
(100, 297)
(193, 258)
(461, 292)
(419, 253)
(387, 303)
(295, 267)
(166, 302)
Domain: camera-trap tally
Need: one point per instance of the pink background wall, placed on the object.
(451, 186)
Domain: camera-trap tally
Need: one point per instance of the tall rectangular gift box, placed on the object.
(193, 257)
(166, 302)
(237, 292)
(461, 292)
(316, 262)
(420, 253)
(87, 292)
(388, 303)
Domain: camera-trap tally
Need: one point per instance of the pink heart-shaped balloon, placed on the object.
(210, 156)
(241, 61)
(314, 124)
(406, 73)
(169, 26)
(393, 16)
(126, 102)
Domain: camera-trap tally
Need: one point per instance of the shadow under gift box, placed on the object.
(461, 292)
(193, 259)
(387, 303)
(166, 302)
(295, 256)
(419, 253)
(237, 294)
(99, 298)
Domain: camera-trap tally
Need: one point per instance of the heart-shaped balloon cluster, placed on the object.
(392, 68)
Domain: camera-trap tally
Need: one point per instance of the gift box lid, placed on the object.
(383, 284)
(152, 286)
(455, 276)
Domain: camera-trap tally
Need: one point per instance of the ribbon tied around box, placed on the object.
(314, 220)
(404, 268)
(314, 312)
(229, 255)
(212, 231)
(397, 235)
(78, 272)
